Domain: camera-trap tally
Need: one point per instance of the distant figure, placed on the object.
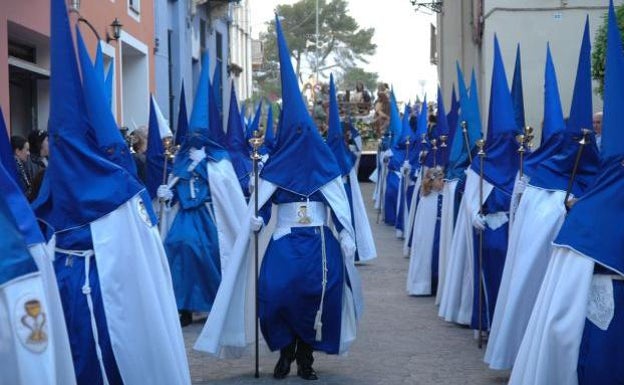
(139, 146)
(21, 152)
(38, 161)
(382, 112)
(597, 121)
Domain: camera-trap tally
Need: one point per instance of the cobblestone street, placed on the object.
(401, 339)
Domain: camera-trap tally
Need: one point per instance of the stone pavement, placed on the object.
(401, 340)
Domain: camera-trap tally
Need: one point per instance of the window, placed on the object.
(135, 6)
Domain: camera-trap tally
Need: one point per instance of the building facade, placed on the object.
(25, 57)
(466, 30)
(185, 29)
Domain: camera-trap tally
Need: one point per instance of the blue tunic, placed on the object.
(494, 253)
(392, 192)
(290, 284)
(435, 253)
(70, 276)
(192, 244)
(601, 354)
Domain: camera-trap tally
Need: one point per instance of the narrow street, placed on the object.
(401, 339)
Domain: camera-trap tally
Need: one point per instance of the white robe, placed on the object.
(411, 217)
(420, 266)
(22, 363)
(537, 222)
(447, 225)
(458, 292)
(137, 294)
(229, 329)
(550, 348)
(363, 233)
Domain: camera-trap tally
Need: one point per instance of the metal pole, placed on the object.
(464, 126)
(256, 142)
(584, 140)
(481, 153)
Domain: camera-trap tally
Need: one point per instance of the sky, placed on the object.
(401, 35)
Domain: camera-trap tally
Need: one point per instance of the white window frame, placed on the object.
(134, 9)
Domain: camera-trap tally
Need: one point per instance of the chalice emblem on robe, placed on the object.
(302, 214)
(34, 320)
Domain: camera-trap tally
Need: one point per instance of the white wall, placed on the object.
(134, 82)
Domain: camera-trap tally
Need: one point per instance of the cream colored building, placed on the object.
(466, 31)
(240, 47)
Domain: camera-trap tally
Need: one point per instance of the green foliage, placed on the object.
(352, 75)
(600, 48)
(342, 43)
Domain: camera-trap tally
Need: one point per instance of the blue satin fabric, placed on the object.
(192, 246)
(390, 198)
(347, 187)
(290, 285)
(494, 253)
(70, 276)
(435, 253)
(601, 354)
(402, 203)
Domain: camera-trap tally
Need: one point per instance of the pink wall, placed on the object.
(35, 15)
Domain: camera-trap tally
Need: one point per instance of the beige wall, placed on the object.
(532, 23)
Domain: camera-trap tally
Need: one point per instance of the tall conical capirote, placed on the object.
(553, 113)
(217, 133)
(93, 186)
(443, 129)
(217, 89)
(557, 156)
(395, 126)
(302, 163)
(154, 155)
(452, 116)
(104, 127)
(237, 145)
(108, 82)
(335, 134)
(182, 127)
(516, 90)
(15, 260)
(501, 162)
(269, 133)
(596, 236)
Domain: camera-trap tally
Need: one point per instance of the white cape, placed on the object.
(550, 348)
(420, 266)
(538, 219)
(447, 225)
(411, 217)
(22, 362)
(138, 298)
(457, 294)
(363, 233)
(229, 329)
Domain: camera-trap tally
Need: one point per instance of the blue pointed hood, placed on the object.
(108, 83)
(459, 159)
(15, 260)
(198, 134)
(98, 64)
(443, 128)
(553, 113)
(154, 155)
(103, 125)
(552, 172)
(395, 125)
(93, 186)
(599, 236)
(269, 135)
(6, 150)
(216, 122)
(302, 163)
(183, 123)
(335, 135)
(255, 123)
(237, 144)
(501, 161)
(516, 91)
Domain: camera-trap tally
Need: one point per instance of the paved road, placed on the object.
(401, 340)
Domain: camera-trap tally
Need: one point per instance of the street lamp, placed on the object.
(116, 28)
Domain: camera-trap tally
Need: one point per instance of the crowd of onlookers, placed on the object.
(31, 159)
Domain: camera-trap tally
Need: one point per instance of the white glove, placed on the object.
(385, 156)
(197, 155)
(256, 223)
(164, 192)
(478, 222)
(521, 185)
(347, 245)
(405, 168)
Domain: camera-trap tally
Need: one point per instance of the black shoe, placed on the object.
(282, 367)
(186, 317)
(306, 372)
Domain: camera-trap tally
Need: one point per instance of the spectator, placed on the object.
(21, 152)
(139, 146)
(597, 121)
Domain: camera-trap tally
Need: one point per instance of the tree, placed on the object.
(342, 43)
(600, 48)
(352, 75)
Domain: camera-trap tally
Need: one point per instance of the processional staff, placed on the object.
(584, 141)
(481, 144)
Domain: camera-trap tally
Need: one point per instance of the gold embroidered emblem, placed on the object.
(31, 326)
(143, 212)
(302, 214)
